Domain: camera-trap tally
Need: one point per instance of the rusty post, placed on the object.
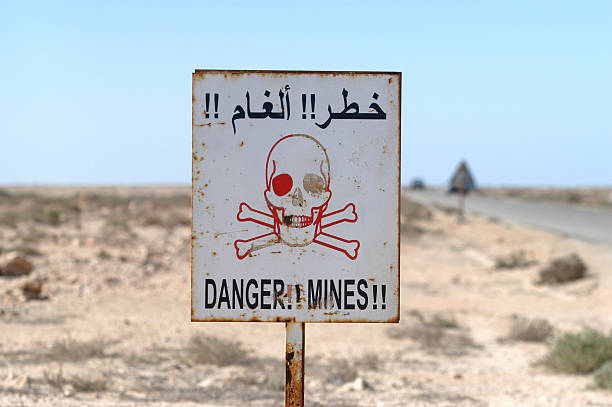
(294, 364)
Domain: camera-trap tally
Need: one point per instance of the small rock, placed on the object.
(563, 269)
(360, 384)
(32, 289)
(68, 390)
(17, 382)
(19, 266)
(206, 383)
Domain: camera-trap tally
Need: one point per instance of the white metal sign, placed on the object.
(295, 196)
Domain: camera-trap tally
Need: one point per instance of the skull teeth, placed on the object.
(297, 221)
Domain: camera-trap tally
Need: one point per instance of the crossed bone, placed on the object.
(248, 214)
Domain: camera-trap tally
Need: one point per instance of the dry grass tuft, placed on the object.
(71, 350)
(341, 371)
(204, 349)
(514, 260)
(436, 335)
(78, 383)
(529, 330)
(369, 361)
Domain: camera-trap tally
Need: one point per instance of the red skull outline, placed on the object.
(297, 194)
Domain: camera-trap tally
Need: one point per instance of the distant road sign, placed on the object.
(462, 180)
(296, 179)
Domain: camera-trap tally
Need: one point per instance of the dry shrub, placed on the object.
(369, 361)
(443, 321)
(341, 371)
(78, 383)
(52, 217)
(581, 352)
(176, 218)
(436, 339)
(8, 220)
(603, 376)
(168, 220)
(109, 200)
(71, 350)
(412, 211)
(516, 259)
(563, 269)
(436, 335)
(204, 349)
(103, 255)
(529, 330)
(35, 208)
(273, 383)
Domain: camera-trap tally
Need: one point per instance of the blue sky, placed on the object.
(100, 92)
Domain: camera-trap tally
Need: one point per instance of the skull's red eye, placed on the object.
(282, 184)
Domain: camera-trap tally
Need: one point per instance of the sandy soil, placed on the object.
(116, 294)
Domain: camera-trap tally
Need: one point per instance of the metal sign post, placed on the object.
(295, 201)
(461, 209)
(294, 359)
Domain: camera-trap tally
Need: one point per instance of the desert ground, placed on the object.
(95, 312)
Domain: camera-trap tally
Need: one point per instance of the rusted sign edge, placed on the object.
(192, 192)
(398, 75)
(399, 197)
(291, 72)
(393, 319)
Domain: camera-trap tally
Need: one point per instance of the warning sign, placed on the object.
(295, 196)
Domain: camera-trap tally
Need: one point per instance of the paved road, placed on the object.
(590, 224)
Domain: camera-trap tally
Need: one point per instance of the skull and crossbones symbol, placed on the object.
(297, 193)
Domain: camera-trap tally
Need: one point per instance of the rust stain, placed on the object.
(209, 124)
(242, 144)
(294, 365)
